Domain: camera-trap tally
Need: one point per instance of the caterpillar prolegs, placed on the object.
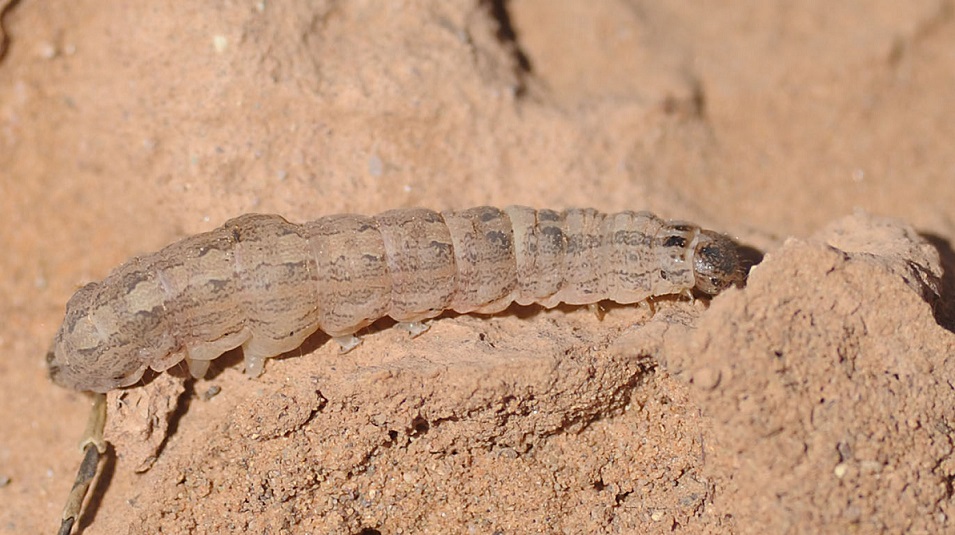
(265, 284)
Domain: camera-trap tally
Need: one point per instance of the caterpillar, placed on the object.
(265, 284)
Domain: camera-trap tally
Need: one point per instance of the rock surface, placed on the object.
(818, 398)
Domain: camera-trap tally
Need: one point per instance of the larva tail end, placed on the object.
(716, 263)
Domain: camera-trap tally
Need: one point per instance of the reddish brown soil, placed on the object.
(819, 398)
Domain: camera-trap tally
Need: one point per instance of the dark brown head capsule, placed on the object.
(716, 263)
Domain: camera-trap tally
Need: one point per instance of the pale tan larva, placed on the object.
(265, 284)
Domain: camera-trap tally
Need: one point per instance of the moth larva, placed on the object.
(265, 284)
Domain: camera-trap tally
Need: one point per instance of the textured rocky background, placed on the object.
(819, 398)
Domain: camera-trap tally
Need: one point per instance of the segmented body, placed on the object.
(265, 284)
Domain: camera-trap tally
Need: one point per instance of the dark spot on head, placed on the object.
(675, 241)
(663, 274)
(716, 263)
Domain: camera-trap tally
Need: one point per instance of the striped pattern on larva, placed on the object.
(265, 284)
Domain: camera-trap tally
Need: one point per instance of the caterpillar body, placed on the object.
(265, 284)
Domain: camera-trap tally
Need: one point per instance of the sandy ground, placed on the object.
(819, 398)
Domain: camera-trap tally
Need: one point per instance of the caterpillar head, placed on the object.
(716, 263)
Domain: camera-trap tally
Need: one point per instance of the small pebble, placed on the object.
(840, 470)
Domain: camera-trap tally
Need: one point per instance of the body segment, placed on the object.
(265, 284)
